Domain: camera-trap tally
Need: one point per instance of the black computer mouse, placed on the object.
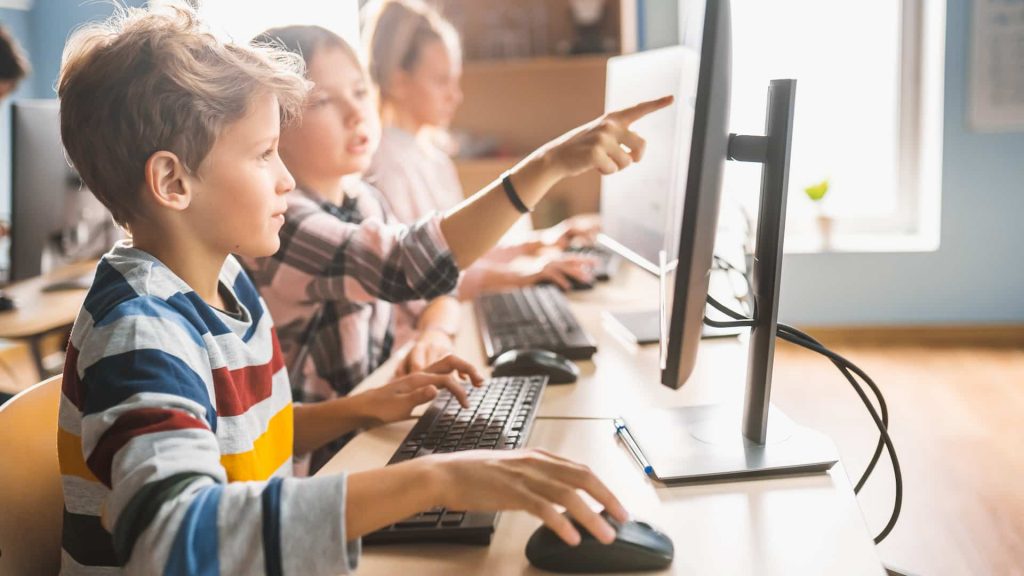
(530, 362)
(637, 547)
(6, 302)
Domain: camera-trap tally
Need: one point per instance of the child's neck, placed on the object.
(196, 265)
(332, 189)
(404, 121)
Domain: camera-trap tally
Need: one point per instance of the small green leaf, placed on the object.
(817, 191)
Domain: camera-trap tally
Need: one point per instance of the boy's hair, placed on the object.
(306, 41)
(397, 31)
(155, 79)
(13, 64)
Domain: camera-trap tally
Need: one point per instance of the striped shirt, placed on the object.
(175, 435)
(331, 284)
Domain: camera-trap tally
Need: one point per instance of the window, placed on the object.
(241, 20)
(868, 113)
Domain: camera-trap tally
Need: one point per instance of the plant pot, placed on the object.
(826, 226)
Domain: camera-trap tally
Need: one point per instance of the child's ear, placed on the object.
(167, 181)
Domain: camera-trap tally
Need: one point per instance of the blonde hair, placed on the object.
(155, 79)
(396, 33)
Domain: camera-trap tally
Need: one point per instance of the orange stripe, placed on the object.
(69, 453)
(270, 451)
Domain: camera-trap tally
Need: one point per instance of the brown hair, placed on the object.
(396, 33)
(13, 64)
(306, 41)
(154, 79)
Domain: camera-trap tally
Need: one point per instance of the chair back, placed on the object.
(31, 497)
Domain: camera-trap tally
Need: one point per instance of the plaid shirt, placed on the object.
(331, 282)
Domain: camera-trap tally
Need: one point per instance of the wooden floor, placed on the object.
(957, 421)
(958, 425)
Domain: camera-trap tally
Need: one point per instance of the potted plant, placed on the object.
(817, 192)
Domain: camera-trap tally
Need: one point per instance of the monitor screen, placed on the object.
(55, 220)
(694, 213)
(639, 205)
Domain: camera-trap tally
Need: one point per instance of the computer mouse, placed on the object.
(6, 303)
(637, 547)
(530, 362)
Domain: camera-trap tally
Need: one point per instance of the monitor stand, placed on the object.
(699, 444)
(642, 327)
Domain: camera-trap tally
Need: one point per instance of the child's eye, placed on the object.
(268, 154)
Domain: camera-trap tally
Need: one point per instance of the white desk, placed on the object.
(801, 525)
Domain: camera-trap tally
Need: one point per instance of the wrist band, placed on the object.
(513, 196)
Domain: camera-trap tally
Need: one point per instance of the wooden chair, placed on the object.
(31, 499)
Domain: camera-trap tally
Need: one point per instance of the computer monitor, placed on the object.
(718, 442)
(55, 219)
(641, 207)
(636, 203)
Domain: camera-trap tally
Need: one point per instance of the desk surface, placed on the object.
(800, 525)
(804, 525)
(39, 312)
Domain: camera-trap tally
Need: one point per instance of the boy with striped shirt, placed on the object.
(176, 426)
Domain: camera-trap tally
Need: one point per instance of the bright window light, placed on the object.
(241, 20)
(846, 59)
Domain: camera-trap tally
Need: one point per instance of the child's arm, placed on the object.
(535, 481)
(474, 226)
(436, 326)
(318, 423)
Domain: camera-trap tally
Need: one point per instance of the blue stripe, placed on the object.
(201, 311)
(272, 527)
(250, 299)
(153, 307)
(196, 545)
(114, 379)
(109, 289)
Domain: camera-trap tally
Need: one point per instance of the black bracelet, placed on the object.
(513, 196)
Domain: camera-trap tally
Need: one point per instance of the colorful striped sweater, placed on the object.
(175, 435)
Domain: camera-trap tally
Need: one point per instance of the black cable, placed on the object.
(883, 407)
(897, 473)
(800, 338)
(844, 366)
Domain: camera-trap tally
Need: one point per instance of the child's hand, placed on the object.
(605, 144)
(431, 345)
(396, 400)
(581, 229)
(532, 480)
(560, 270)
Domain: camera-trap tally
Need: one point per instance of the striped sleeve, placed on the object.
(146, 392)
(324, 258)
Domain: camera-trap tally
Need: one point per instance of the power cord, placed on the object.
(795, 336)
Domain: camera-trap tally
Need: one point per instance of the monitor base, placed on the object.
(703, 444)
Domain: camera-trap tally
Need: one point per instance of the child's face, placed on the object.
(238, 202)
(340, 128)
(432, 93)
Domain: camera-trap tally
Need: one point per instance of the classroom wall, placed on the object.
(17, 21)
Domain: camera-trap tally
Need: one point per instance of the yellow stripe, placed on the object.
(69, 453)
(269, 452)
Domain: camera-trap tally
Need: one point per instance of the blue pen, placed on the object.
(622, 431)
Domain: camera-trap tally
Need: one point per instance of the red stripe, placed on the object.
(241, 389)
(71, 386)
(132, 425)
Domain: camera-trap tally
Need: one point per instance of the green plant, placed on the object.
(817, 191)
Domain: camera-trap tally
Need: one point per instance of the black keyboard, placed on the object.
(534, 317)
(499, 417)
(607, 261)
